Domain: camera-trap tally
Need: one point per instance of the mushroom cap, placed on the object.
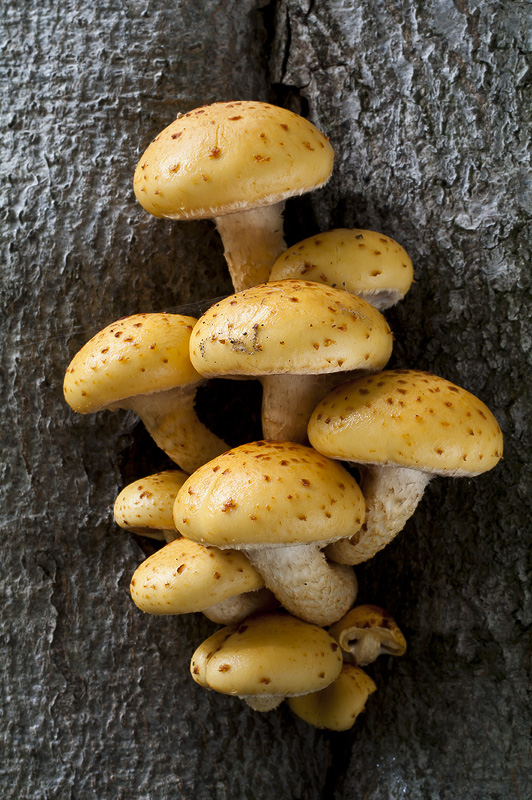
(228, 157)
(146, 505)
(184, 577)
(141, 354)
(407, 418)
(338, 705)
(290, 326)
(362, 262)
(269, 493)
(373, 620)
(268, 654)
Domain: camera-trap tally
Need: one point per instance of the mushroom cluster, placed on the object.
(262, 537)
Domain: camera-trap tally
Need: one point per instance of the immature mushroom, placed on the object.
(145, 506)
(367, 632)
(299, 338)
(366, 263)
(235, 163)
(142, 363)
(184, 577)
(267, 658)
(280, 503)
(401, 427)
(338, 705)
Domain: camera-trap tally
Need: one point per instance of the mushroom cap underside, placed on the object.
(140, 354)
(290, 326)
(229, 157)
(268, 654)
(407, 418)
(373, 620)
(268, 493)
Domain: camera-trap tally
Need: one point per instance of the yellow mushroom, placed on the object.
(367, 632)
(236, 163)
(366, 263)
(338, 705)
(145, 506)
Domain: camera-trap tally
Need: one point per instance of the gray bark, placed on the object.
(427, 106)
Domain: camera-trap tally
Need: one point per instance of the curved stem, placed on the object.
(171, 420)
(304, 582)
(392, 495)
(234, 609)
(253, 240)
(288, 402)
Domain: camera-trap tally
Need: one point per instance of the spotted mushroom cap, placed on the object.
(268, 654)
(141, 354)
(228, 157)
(369, 620)
(407, 418)
(183, 577)
(146, 505)
(366, 263)
(338, 705)
(266, 493)
(291, 326)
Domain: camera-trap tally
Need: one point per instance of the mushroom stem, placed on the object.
(234, 609)
(252, 240)
(392, 495)
(363, 651)
(304, 582)
(171, 420)
(263, 702)
(289, 400)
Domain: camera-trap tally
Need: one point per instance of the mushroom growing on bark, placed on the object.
(365, 263)
(142, 363)
(401, 427)
(184, 577)
(338, 705)
(299, 338)
(145, 506)
(267, 658)
(280, 503)
(367, 632)
(235, 163)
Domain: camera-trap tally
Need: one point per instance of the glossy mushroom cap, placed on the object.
(146, 505)
(184, 577)
(338, 705)
(289, 327)
(407, 418)
(366, 632)
(268, 493)
(366, 263)
(140, 354)
(227, 157)
(267, 658)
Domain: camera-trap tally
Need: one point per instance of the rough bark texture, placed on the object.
(427, 106)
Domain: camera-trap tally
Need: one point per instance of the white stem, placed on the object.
(364, 650)
(253, 240)
(263, 702)
(171, 419)
(288, 402)
(234, 609)
(392, 495)
(304, 582)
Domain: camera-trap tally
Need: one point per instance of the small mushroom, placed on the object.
(367, 632)
(366, 263)
(235, 163)
(142, 363)
(338, 705)
(184, 577)
(145, 506)
(267, 658)
(299, 338)
(280, 503)
(401, 427)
